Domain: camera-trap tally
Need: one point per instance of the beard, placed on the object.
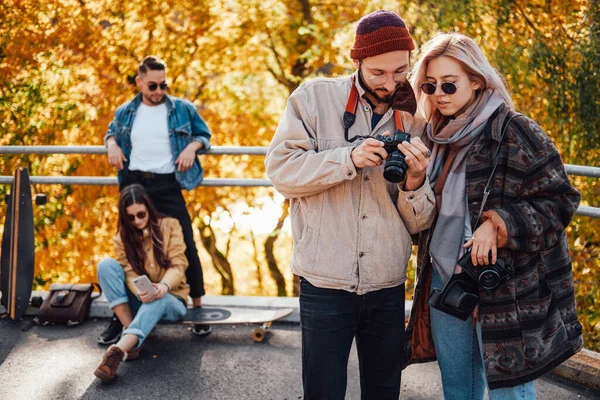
(380, 95)
(155, 102)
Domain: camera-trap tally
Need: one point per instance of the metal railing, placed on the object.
(576, 170)
(215, 150)
(109, 181)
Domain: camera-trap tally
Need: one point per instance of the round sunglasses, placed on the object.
(153, 86)
(447, 87)
(139, 215)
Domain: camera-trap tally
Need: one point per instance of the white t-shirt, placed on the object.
(150, 144)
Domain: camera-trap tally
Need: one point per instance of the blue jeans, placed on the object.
(457, 346)
(330, 320)
(146, 315)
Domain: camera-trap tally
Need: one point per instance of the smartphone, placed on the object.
(143, 284)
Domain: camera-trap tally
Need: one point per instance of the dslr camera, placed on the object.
(395, 166)
(460, 295)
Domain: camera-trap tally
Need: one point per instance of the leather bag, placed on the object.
(67, 304)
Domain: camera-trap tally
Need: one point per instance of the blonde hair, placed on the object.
(467, 53)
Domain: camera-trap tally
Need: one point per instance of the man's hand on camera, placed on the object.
(416, 155)
(369, 153)
(484, 241)
(115, 154)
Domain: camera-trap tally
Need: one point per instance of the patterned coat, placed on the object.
(529, 325)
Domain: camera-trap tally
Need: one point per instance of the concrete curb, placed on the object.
(100, 309)
(583, 369)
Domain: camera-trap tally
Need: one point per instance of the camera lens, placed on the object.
(489, 279)
(395, 167)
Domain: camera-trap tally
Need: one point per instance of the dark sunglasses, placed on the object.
(447, 87)
(139, 215)
(153, 86)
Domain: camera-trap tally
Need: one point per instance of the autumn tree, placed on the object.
(65, 65)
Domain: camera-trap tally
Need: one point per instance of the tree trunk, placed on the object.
(271, 261)
(256, 261)
(219, 260)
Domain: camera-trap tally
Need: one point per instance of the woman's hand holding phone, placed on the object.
(146, 290)
(146, 297)
(161, 290)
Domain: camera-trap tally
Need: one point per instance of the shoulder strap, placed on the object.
(350, 115)
(99, 289)
(486, 190)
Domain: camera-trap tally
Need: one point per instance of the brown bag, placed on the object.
(67, 303)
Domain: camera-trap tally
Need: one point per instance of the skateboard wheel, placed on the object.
(36, 301)
(40, 199)
(258, 335)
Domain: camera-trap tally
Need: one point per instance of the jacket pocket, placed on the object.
(183, 136)
(184, 130)
(305, 217)
(541, 325)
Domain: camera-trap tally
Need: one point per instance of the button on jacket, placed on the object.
(351, 228)
(185, 126)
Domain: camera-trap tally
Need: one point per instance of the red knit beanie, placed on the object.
(380, 32)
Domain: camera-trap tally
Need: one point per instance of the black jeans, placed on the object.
(165, 193)
(330, 320)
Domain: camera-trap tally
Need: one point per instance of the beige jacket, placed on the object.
(175, 249)
(351, 227)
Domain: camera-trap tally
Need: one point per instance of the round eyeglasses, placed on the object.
(447, 87)
(378, 80)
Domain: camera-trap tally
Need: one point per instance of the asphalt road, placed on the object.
(56, 362)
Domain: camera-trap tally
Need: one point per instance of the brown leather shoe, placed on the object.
(108, 368)
(133, 354)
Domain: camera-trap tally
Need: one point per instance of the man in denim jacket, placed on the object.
(154, 140)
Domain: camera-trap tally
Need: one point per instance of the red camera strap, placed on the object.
(351, 110)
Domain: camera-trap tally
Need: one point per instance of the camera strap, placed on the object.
(350, 115)
(487, 189)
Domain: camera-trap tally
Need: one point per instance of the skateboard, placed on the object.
(232, 316)
(18, 250)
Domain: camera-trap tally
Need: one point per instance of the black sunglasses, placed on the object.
(139, 215)
(447, 87)
(153, 86)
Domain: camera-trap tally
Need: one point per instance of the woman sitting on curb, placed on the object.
(145, 245)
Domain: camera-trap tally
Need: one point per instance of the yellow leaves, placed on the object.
(66, 66)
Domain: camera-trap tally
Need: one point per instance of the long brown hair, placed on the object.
(133, 238)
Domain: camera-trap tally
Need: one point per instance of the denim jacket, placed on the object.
(185, 126)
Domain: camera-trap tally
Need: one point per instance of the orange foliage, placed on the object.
(65, 66)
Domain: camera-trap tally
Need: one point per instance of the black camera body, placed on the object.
(395, 166)
(460, 295)
(488, 276)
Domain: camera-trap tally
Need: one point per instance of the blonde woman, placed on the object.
(528, 324)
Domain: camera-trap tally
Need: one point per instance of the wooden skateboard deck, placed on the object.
(18, 251)
(232, 316)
